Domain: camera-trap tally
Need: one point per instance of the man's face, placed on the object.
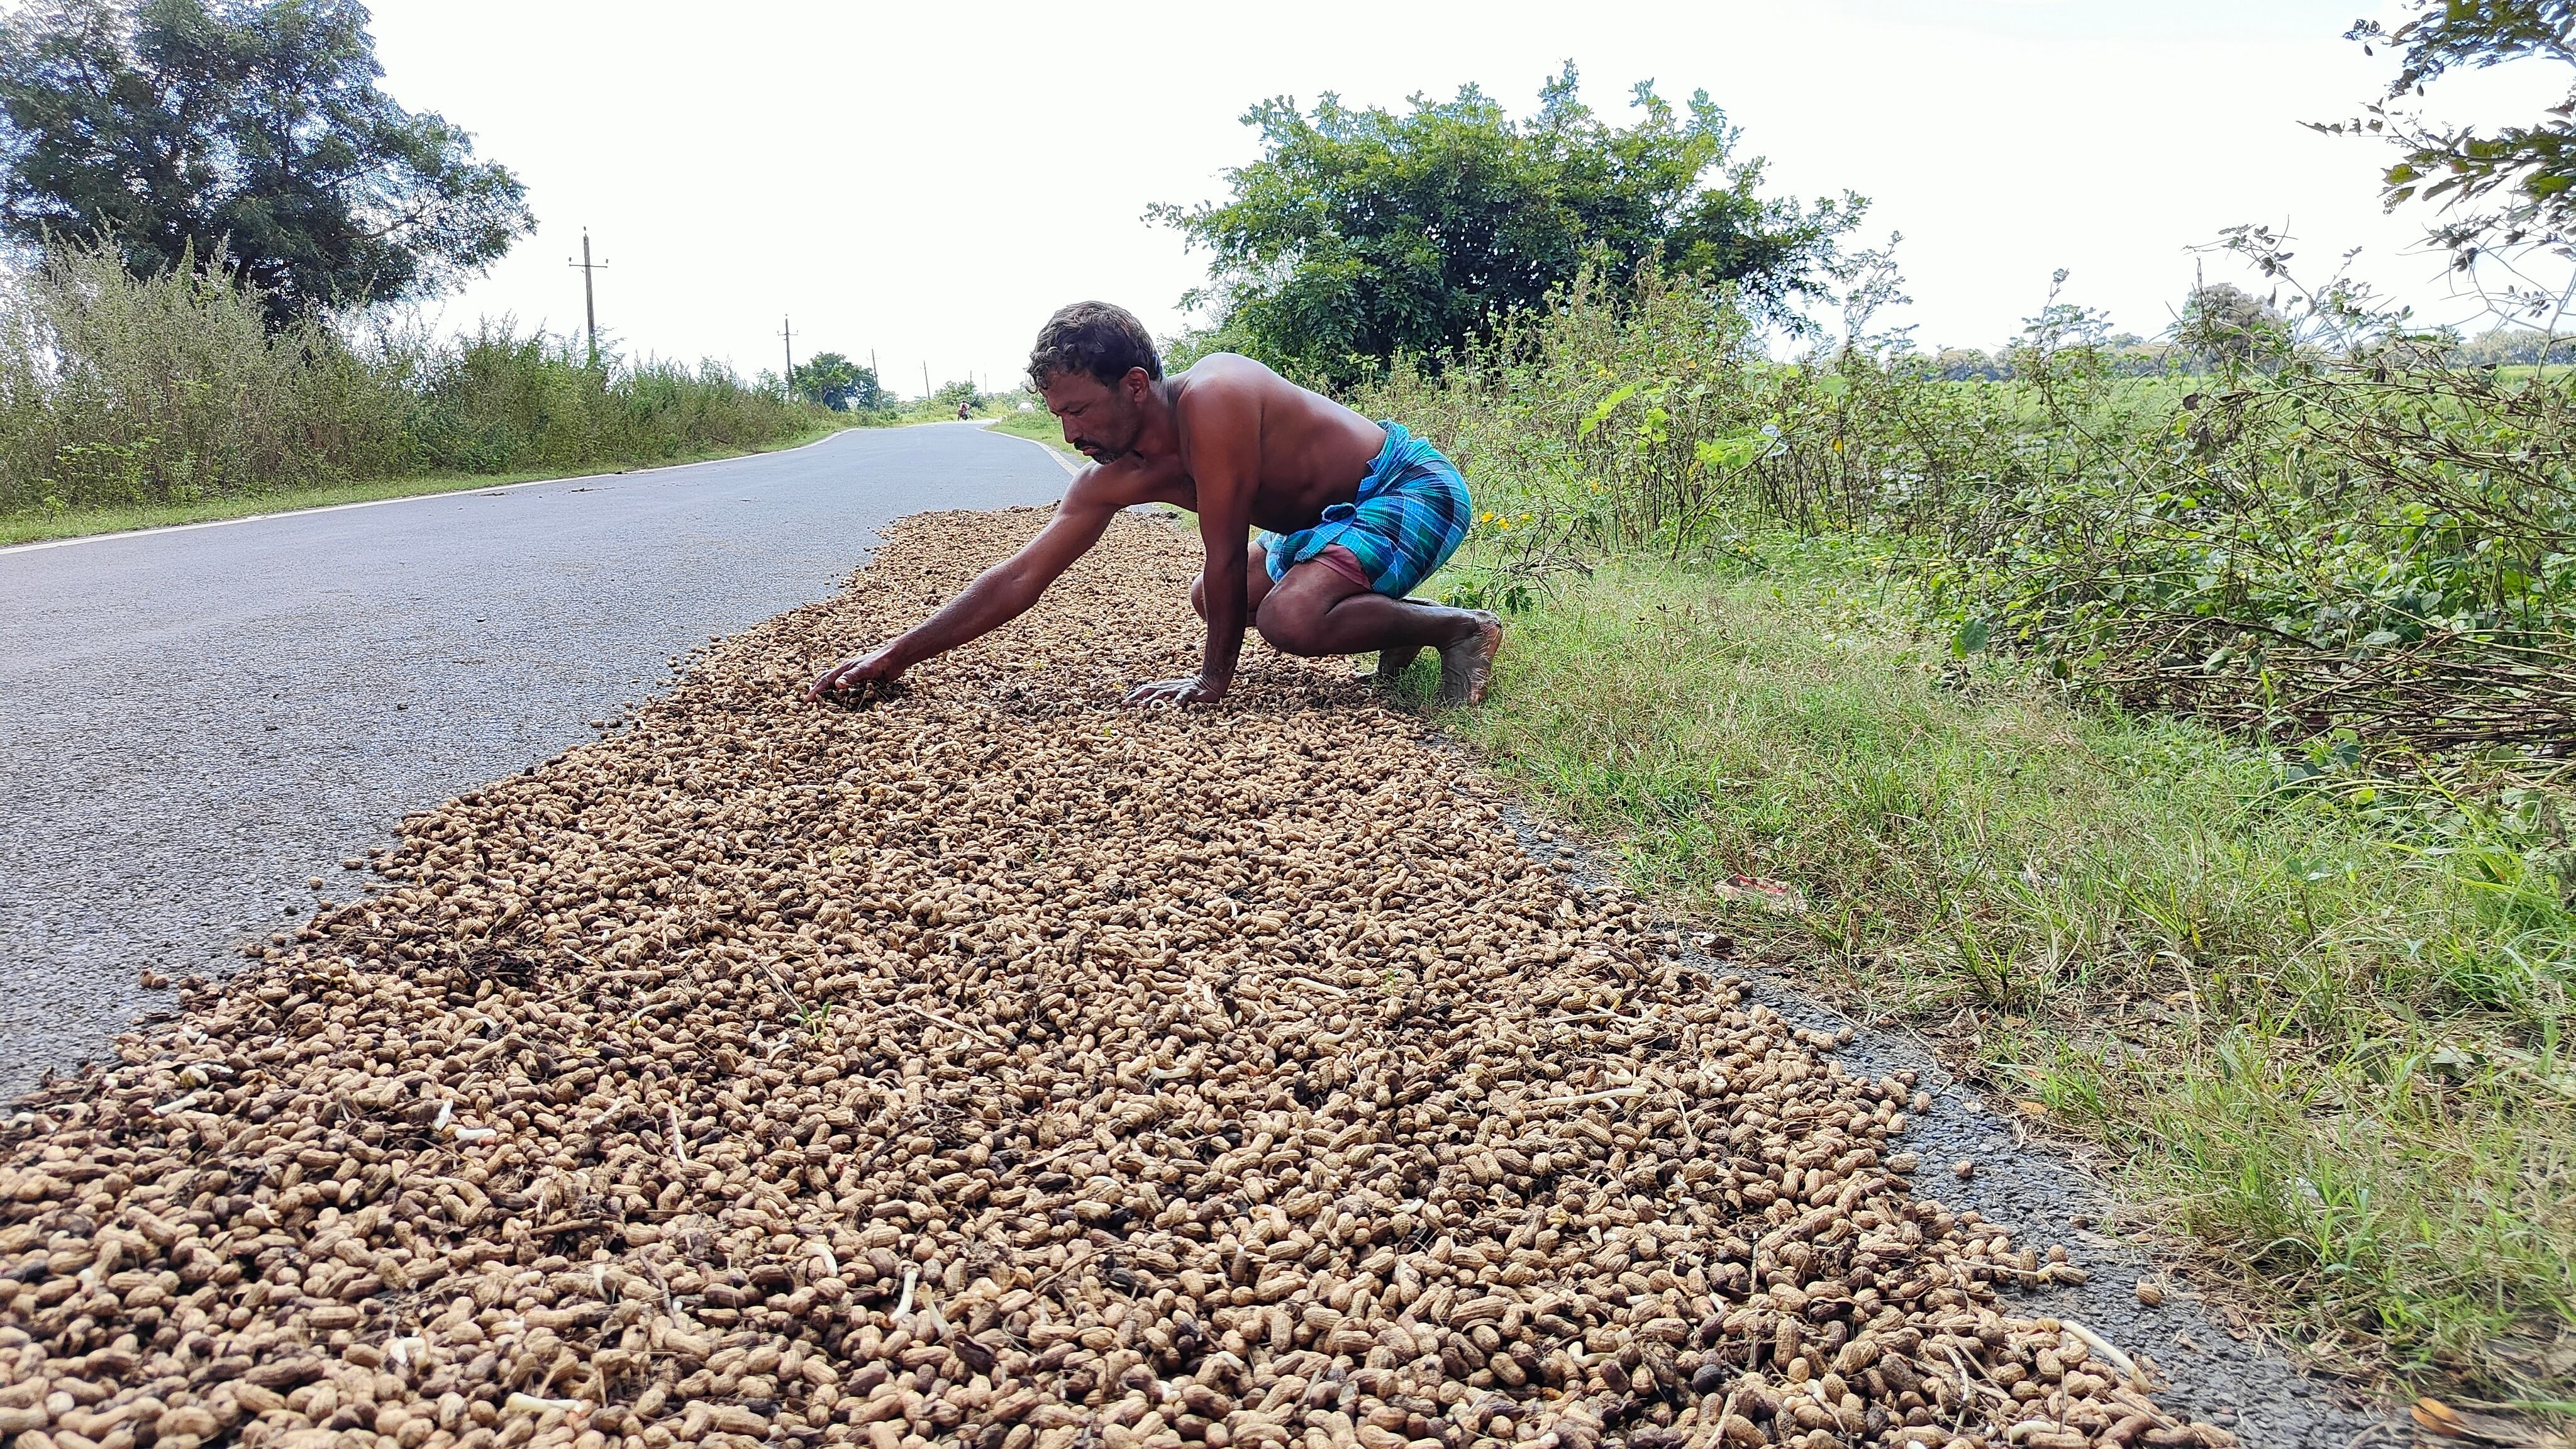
(1100, 421)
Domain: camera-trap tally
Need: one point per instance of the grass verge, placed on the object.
(1034, 423)
(39, 527)
(2317, 1033)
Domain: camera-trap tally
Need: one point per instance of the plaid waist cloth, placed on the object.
(1411, 514)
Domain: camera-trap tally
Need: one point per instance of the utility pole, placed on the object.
(589, 300)
(787, 336)
(925, 379)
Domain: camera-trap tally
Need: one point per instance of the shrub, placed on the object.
(2345, 526)
(118, 391)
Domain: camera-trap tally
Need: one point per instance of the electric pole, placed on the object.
(787, 337)
(925, 380)
(589, 300)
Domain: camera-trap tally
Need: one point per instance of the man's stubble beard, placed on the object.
(1104, 454)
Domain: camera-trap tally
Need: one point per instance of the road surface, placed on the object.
(197, 721)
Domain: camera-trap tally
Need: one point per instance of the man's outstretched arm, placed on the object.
(996, 597)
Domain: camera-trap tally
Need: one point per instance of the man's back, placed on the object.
(1308, 451)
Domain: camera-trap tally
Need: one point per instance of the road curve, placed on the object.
(194, 722)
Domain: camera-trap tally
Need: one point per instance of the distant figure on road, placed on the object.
(1353, 515)
(965, 411)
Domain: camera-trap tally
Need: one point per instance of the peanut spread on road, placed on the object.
(989, 1066)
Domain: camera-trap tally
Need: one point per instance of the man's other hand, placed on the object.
(852, 673)
(1197, 689)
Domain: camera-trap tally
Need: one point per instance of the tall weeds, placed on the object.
(2356, 531)
(119, 392)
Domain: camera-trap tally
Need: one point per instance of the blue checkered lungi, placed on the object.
(1411, 514)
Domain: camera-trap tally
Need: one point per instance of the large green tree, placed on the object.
(251, 130)
(1360, 234)
(837, 383)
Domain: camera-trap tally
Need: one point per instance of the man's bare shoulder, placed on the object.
(1227, 379)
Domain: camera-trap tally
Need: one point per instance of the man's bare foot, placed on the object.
(1467, 664)
(1391, 664)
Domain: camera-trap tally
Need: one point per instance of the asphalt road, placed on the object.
(194, 722)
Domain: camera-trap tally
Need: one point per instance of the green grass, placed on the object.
(2320, 1035)
(37, 527)
(1034, 423)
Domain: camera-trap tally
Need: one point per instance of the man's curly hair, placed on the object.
(1096, 338)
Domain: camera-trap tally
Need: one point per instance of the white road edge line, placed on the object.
(1071, 467)
(413, 498)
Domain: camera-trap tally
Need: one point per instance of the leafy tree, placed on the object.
(837, 383)
(2515, 347)
(2529, 169)
(2222, 322)
(951, 394)
(1966, 364)
(249, 131)
(1361, 234)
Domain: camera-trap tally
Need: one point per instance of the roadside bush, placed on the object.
(2358, 532)
(114, 390)
(2343, 528)
(497, 402)
(119, 392)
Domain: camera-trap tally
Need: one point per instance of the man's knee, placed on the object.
(1256, 588)
(1290, 628)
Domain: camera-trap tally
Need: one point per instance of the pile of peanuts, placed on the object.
(987, 1065)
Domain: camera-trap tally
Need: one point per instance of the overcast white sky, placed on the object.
(929, 183)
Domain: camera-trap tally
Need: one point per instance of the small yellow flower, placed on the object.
(1484, 518)
(1502, 523)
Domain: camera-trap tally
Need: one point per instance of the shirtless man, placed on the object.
(1353, 515)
